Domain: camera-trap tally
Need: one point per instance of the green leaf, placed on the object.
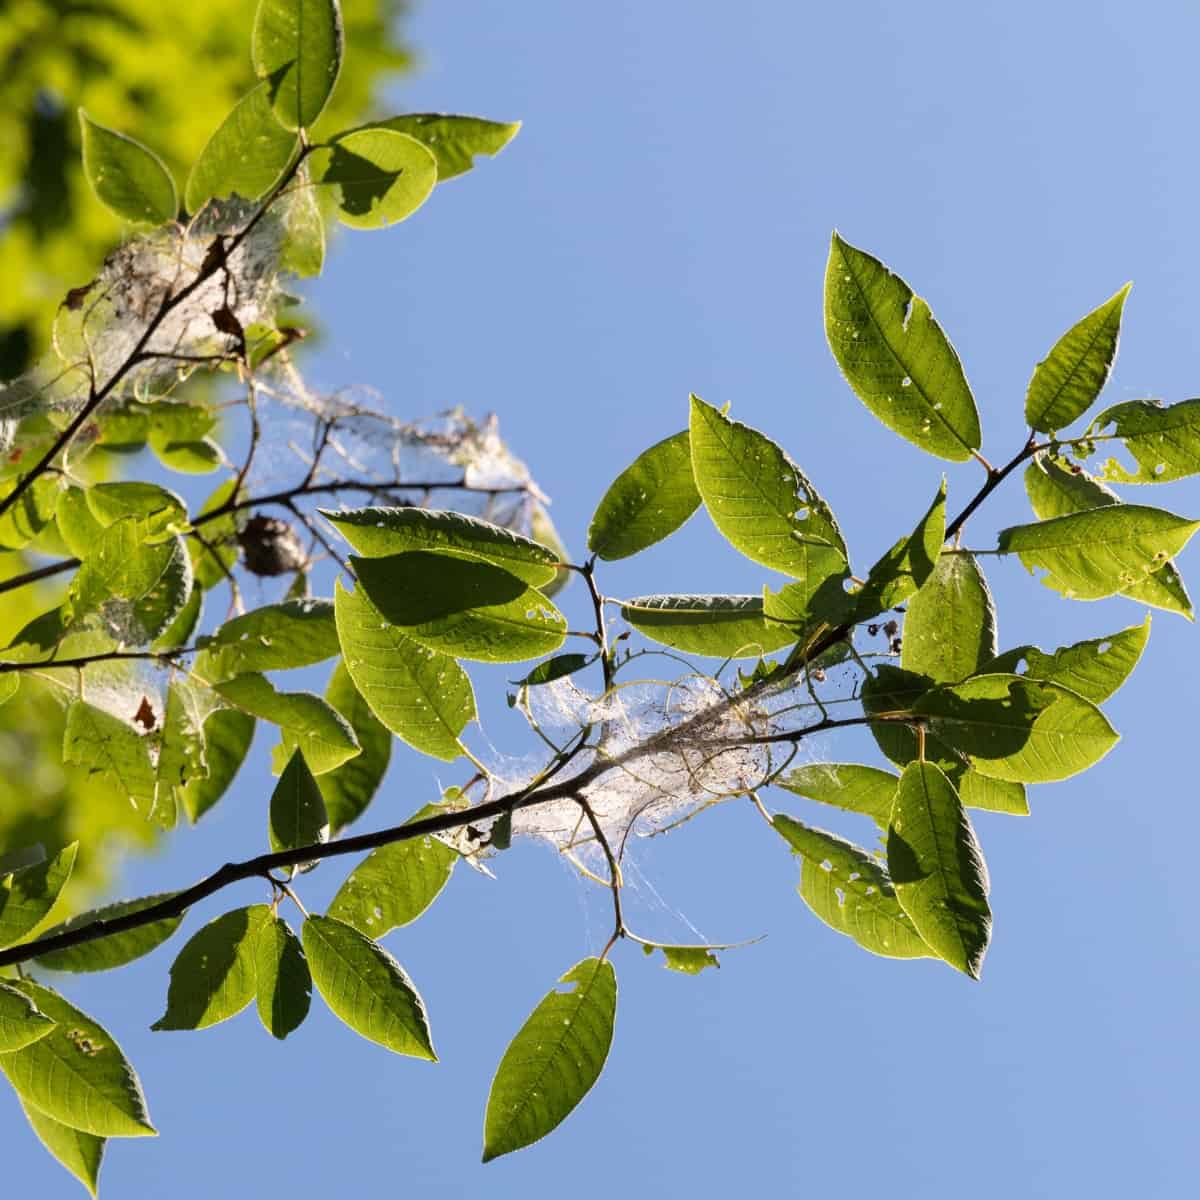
(848, 786)
(553, 1061)
(1095, 668)
(558, 667)
(1055, 491)
(422, 696)
(215, 976)
(366, 987)
(348, 789)
(647, 502)
(850, 891)
(28, 895)
(77, 1074)
(304, 720)
(284, 990)
(541, 529)
(454, 140)
(180, 747)
(227, 736)
(950, 628)
(179, 632)
(990, 795)
(760, 500)
(717, 626)
(212, 559)
(382, 176)
(1096, 553)
(395, 884)
(127, 178)
(275, 637)
(462, 607)
(687, 960)
(906, 566)
(1067, 381)
(109, 502)
(105, 745)
(1019, 729)
(297, 46)
(380, 532)
(303, 251)
(1164, 440)
(21, 1021)
(9, 685)
(246, 156)
(937, 868)
(895, 355)
(297, 813)
(32, 512)
(80, 1153)
(112, 950)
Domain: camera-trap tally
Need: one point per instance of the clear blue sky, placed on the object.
(660, 226)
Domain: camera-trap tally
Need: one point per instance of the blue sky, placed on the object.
(660, 226)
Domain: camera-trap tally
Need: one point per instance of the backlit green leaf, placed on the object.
(366, 987)
(647, 502)
(297, 47)
(304, 720)
(101, 743)
(1019, 729)
(28, 895)
(687, 960)
(112, 950)
(21, 1021)
(297, 812)
(850, 891)
(127, 178)
(895, 355)
(558, 667)
(937, 868)
(275, 637)
(1164, 440)
(849, 786)
(284, 988)
(454, 140)
(382, 176)
(1067, 381)
(80, 1153)
(394, 884)
(246, 156)
(227, 736)
(553, 1061)
(760, 500)
(215, 976)
(348, 789)
(717, 626)
(950, 628)
(379, 532)
(1096, 553)
(990, 795)
(906, 566)
(33, 511)
(420, 695)
(77, 1074)
(463, 607)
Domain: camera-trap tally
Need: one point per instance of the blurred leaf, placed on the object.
(1067, 381)
(246, 156)
(382, 176)
(215, 977)
(467, 608)
(937, 868)
(716, 626)
(895, 355)
(284, 988)
(112, 950)
(32, 512)
(850, 891)
(950, 628)
(760, 500)
(647, 502)
(127, 178)
(297, 45)
(77, 1074)
(553, 1061)
(366, 987)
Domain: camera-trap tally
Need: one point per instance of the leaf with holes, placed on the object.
(647, 502)
(895, 355)
(850, 891)
(1067, 381)
(937, 868)
(77, 1074)
(367, 988)
(1096, 553)
(1163, 439)
(760, 500)
(553, 1061)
